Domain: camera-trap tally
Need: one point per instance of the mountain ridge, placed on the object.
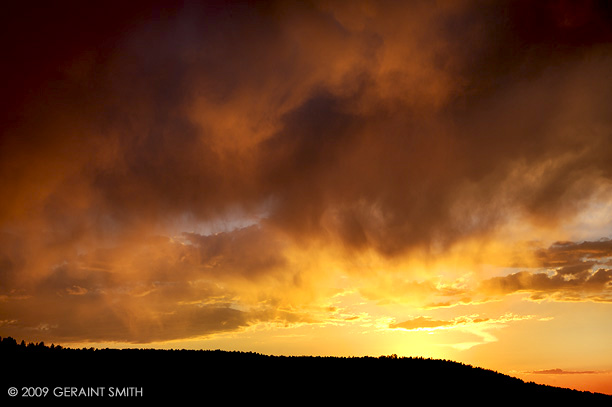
(149, 374)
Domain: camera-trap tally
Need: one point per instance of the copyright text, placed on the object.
(76, 391)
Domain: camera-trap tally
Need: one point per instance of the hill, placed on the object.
(209, 376)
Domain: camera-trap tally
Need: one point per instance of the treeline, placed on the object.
(10, 344)
(171, 375)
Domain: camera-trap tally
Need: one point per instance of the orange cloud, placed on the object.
(573, 273)
(176, 171)
(561, 371)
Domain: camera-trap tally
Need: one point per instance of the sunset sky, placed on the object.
(347, 178)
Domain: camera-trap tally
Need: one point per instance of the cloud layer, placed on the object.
(168, 170)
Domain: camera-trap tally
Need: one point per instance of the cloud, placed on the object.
(370, 127)
(526, 281)
(158, 289)
(420, 322)
(347, 126)
(561, 371)
(248, 251)
(472, 324)
(572, 254)
(571, 272)
(459, 322)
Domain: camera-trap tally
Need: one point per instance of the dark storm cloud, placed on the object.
(354, 148)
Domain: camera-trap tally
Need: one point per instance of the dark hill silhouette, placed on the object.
(207, 376)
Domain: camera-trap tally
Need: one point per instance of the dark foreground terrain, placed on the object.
(42, 374)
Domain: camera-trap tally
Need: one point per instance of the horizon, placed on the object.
(324, 178)
(36, 348)
(157, 374)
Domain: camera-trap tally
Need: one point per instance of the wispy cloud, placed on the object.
(473, 324)
(561, 371)
(427, 323)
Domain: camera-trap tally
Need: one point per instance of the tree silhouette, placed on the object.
(168, 374)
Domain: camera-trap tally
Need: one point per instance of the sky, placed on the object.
(420, 178)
